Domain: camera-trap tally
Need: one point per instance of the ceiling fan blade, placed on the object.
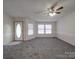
(60, 8)
(55, 4)
(57, 12)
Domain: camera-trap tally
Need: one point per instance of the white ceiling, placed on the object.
(28, 8)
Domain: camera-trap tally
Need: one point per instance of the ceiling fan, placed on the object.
(54, 9)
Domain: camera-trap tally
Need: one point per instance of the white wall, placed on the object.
(7, 29)
(35, 23)
(28, 37)
(25, 27)
(66, 28)
(46, 35)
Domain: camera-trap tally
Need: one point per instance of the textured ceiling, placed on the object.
(27, 8)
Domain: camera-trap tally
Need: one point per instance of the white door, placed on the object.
(18, 31)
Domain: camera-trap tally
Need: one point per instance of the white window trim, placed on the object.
(30, 29)
(45, 29)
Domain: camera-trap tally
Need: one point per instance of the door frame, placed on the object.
(22, 33)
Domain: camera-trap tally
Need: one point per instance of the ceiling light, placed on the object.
(52, 14)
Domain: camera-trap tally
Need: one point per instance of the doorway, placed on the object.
(18, 30)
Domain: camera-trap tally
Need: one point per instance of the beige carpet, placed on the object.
(40, 48)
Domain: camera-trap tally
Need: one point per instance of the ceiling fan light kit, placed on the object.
(53, 9)
(52, 14)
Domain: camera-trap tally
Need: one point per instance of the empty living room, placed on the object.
(38, 29)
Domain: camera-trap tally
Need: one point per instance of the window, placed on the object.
(48, 29)
(30, 29)
(41, 29)
(18, 30)
(44, 28)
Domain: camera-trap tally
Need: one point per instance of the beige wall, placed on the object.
(66, 28)
(7, 29)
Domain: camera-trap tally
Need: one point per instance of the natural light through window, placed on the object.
(41, 29)
(44, 28)
(18, 30)
(30, 29)
(48, 29)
